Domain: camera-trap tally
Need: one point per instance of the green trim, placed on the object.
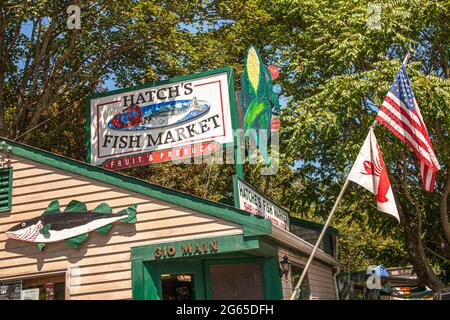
(272, 280)
(231, 93)
(6, 185)
(224, 244)
(88, 130)
(236, 191)
(252, 225)
(312, 225)
(235, 125)
(137, 280)
(146, 270)
(142, 281)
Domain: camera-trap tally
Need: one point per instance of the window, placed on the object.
(305, 290)
(5, 188)
(236, 281)
(51, 287)
(10, 290)
(329, 246)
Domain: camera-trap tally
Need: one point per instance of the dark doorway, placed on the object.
(177, 286)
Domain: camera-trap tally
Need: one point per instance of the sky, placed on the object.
(110, 84)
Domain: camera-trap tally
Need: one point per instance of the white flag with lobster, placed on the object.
(370, 172)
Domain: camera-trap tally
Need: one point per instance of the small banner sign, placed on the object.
(174, 119)
(248, 199)
(153, 157)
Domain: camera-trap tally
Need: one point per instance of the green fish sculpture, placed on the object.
(258, 99)
(72, 225)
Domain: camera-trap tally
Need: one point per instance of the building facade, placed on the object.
(181, 247)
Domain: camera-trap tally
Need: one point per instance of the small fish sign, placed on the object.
(159, 115)
(72, 225)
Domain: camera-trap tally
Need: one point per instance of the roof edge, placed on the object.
(297, 243)
(313, 225)
(252, 225)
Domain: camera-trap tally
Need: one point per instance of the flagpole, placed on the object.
(322, 234)
(408, 55)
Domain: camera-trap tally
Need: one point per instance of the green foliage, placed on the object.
(333, 66)
(47, 69)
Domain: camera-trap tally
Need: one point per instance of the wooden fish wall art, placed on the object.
(72, 225)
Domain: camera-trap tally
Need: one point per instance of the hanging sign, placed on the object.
(248, 199)
(178, 118)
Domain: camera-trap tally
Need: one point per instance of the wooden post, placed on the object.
(239, 157)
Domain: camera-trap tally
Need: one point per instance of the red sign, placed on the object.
(274, 72)
(162, 155)
(276, 123)
(144, 120)
(50, 291)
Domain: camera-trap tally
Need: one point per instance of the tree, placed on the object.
(46, 68)
(337, 70)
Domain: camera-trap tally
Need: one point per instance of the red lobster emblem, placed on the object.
(129, 118)
(378, 169)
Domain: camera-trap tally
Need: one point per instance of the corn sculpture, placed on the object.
(258, 100)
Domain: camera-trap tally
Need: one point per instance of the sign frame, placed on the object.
(232, 102)
(236, 200)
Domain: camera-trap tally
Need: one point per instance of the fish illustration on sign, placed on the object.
(72, 225)
(135, 118)
(258, 98)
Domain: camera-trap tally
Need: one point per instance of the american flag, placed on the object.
(401, 115)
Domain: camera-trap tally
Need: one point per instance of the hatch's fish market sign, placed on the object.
(175, 119)
(248, 199)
